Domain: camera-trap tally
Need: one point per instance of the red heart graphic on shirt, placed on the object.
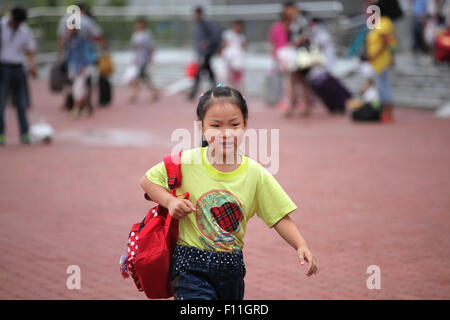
(227, 216)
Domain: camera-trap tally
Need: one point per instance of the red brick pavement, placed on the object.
(368, 194)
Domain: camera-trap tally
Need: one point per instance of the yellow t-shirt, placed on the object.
(374, 42)
(225, 201)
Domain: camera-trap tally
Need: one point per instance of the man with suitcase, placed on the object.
(208, 39)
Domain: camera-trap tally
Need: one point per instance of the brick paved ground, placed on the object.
(367, 195)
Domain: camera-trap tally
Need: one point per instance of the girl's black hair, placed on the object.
(228, 94)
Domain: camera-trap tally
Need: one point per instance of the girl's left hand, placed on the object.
(305, 255)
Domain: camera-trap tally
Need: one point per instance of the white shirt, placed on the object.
(370, 95)
(234, 52)
(233, 38)
(15, 43)
(142, 45)
(322, 39)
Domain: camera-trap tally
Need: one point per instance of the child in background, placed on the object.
(143, 46)
(367, 107)
(233, 52)
(226, 189)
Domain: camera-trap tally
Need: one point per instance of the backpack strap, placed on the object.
(173, 169)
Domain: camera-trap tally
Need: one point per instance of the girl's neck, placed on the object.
(224, 164)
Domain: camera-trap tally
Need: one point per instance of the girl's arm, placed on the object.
(178, 208)
(287, 229)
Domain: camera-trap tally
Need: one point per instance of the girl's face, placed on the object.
(224, 127)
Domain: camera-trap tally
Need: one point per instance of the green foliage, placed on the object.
(117, 3)
(89, 3)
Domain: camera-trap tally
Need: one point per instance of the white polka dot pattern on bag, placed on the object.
(132, 252)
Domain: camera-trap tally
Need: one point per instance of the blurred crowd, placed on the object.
(304, 53)
(431, 18)
(302, 50)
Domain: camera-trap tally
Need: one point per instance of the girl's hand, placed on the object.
(305, 255)
(179, 208)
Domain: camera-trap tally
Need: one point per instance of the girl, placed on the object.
(226, 189)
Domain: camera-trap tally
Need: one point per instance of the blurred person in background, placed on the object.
(279, 33)
(441, 43)
(208, 39)
(394, 11)
(366, 107)
(143, 46)
(298, 35)
(279, 38)
(233, 52)
(79, 68)
(435, 17)
(16, 40)
(379, 55)
(419, 8)
(323, 40)
(91, 32)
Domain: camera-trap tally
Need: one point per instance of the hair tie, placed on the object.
(219, 85)
(243, 97)
(201, 95)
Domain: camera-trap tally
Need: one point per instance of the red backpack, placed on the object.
(151, 242)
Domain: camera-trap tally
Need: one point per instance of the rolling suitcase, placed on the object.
(104, 88)
(329, 89)
(57, 77)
